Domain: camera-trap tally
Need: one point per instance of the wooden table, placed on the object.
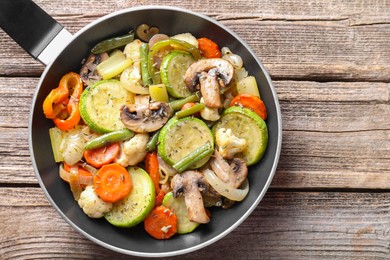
(330, 198)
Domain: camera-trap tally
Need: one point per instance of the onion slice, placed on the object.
(74, 182)
(225, 190)
(83, 180)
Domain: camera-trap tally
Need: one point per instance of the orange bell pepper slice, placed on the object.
(60, 102)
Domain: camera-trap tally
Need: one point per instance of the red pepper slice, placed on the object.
(55, 102)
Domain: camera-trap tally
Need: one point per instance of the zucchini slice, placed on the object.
(246, 124)
(100, 106)
(179, 137)
(137, 205)
(178, 206)
(173, 69)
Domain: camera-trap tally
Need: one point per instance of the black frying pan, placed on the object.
(62, 52)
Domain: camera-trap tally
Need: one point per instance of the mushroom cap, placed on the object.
(190, 184)
(145, 118)
(223, 69)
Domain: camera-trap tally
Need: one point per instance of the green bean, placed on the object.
(190, 111)
(177, 104)
(193, 157)
(152, 144)
(113, 43)
(145, 75)
(116, 136)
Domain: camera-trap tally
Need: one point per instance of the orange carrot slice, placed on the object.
(161, 223)
(112, 183)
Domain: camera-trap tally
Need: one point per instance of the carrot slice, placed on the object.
(103, 155)
(159, 198)
(161, 223)
(208, 48)
(252, 102)
(151, 167)
(112, 183)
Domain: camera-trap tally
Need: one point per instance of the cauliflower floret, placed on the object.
(187, 37)
(92, 205)
(228, 143)
(133, 151)
(132, 50)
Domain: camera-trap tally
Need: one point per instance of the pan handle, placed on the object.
(33, 29)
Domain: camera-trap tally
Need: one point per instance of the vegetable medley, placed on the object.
(156, 129)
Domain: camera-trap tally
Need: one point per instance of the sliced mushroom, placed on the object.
(233, 174)
(223, 69)
(191, 184)
(145, 32)
(209, 87)
(88, 72)
(145, 118)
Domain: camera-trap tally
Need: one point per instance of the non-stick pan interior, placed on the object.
(135, 241)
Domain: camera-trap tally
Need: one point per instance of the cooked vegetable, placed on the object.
(152, 143)
(112, 183)
(145, 119)
(252, 102)
(244, 123)
(72, 145)
(140, 200)
(88, 72)
(162, 48)
(178, 206)
(193, 157)
(190, 184)
(65, 115)
(173, 69)
(113, 43)
(186, 37)
(100, 106)
(248, 85)
(133, 151)
(146, 78)
(146, 32)
(114, 65)
(179, 103)
(85, 177)
(229, 144)
(159, 93)
(191, 110)
(224, 189)
(92, 205)
(102, 155)
(208, 48)
(151, 167)
(180, 137)
(56, 137)
(161, 223)
(105, 139)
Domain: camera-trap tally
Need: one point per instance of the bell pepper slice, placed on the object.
(60, 102)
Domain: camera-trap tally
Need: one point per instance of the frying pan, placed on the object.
(61, 52)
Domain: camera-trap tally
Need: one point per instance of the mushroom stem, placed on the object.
(209, 87)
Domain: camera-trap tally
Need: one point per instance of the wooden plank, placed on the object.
(294, 40)
(310, 225)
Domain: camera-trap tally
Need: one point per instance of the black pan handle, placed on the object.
(32, 28)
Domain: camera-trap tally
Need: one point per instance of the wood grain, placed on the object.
(319, 42)
(284, 226)
(330, 63)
